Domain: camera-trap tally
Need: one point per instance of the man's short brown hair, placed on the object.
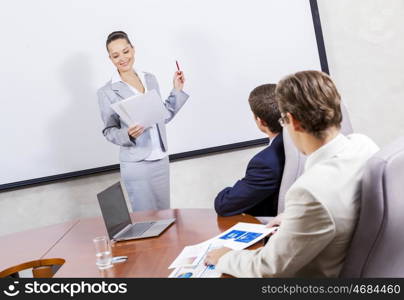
(264, 106)
(312, 98)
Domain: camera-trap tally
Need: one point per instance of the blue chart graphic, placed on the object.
(185, 275)
(234, 234)
(248, 237)
(240, 236)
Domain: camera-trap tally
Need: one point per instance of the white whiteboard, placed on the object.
(53, 60)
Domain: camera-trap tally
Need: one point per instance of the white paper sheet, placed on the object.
(145, 110)
(199, 271)
(190, 256)
(190, 263)
(122, 113)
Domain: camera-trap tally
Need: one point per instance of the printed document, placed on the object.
(146, 109)
(190, 262)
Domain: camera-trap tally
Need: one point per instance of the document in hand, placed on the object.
(145, 110)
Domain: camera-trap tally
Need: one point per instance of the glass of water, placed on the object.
(102, 252)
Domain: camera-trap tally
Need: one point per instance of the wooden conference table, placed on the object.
(149, 257)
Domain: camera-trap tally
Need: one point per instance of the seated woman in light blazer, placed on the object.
(143, 152)
(322, 206)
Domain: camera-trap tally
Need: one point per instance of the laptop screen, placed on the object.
(114, 209)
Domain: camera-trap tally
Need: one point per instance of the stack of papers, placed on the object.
(190, 262)
(199, 271)
(145, 110)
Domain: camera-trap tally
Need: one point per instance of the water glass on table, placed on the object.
(103, 252)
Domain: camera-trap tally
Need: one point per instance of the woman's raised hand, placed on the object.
(179, 80)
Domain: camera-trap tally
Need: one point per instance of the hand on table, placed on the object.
(213, 256)
(275, 222)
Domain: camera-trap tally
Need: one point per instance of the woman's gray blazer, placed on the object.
(116, 131)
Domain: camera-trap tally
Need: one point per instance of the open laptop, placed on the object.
(117, 219)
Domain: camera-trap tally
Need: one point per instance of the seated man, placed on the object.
(322, 206)
(257, 193)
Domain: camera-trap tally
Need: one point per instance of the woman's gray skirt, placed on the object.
(147, 184)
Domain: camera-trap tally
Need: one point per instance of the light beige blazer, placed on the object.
(321, 210)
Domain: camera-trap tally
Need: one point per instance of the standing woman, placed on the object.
(143, 151)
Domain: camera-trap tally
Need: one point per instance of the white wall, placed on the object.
(365, 49)
(365, 54)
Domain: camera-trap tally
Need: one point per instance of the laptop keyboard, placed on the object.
(137, 229)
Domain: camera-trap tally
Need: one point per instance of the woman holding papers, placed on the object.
(143, 151)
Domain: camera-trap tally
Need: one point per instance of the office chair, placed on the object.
(377, 245)
(41, 268)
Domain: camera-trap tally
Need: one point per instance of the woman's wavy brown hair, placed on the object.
(312, 98)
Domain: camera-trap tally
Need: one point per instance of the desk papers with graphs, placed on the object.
(145, 110)
(190, 262)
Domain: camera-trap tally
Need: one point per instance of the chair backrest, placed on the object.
(41, 268)
(294, 160)
(377, 244)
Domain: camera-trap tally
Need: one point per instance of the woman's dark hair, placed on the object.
(116, 35)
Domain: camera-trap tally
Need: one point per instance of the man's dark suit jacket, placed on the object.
(257, 193)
